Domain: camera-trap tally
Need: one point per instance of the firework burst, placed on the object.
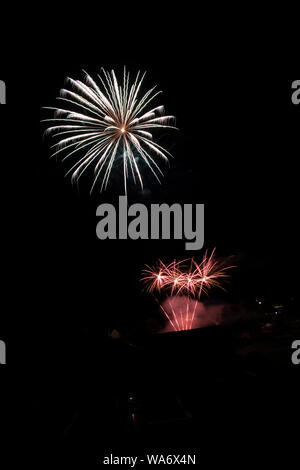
(104, 121)
(186, 278)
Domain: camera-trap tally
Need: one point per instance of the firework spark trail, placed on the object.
(165, 313)
(106, 120)
(192, 282)
(174, 315)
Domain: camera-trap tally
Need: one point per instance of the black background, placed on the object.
(235, 151)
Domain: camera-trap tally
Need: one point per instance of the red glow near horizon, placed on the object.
(186, 279)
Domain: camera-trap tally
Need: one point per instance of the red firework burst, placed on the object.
(187, 278)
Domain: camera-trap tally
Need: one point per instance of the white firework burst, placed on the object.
(108, 120)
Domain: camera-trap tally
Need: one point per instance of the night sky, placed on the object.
(235, 151)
